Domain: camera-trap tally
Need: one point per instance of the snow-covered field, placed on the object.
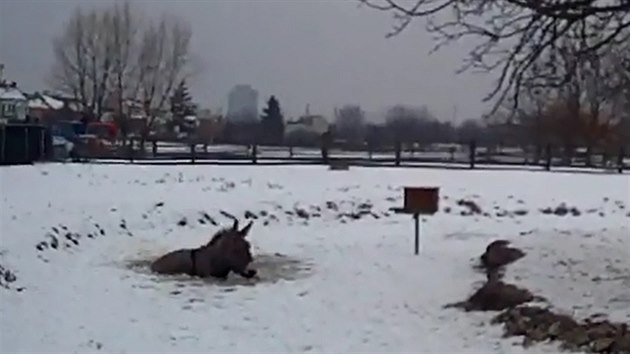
(337, 270)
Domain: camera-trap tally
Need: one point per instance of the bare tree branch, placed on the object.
(512, 34)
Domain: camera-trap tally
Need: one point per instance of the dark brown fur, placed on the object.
(228, 251)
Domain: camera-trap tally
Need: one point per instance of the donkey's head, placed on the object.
(234, 247)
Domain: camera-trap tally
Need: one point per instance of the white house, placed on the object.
(13, 103)
(308, 123)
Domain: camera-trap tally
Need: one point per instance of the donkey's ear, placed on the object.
(235, 225)
(246, 229)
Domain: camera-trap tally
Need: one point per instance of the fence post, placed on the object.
(41, 145)
(27, 152)
(325, 143)
(3, 142)
(130, 150)
(398, 148)
(193, 153)
(154, 148)
(291, 151)
(369, 146)
(472, 149)
(620, 159)
(548, 157)
(255, 154)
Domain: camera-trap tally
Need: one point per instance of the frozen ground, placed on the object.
(337, 269)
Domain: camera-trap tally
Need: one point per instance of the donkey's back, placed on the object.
(175, 262)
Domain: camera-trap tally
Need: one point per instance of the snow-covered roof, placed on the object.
(45, 102)
(11, 93)
(53, 102)
(37, 103)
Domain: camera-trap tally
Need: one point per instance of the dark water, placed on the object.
(270, 267)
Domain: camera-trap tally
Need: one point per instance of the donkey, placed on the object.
(228, 251)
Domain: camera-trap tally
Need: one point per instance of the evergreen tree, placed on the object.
(181, 102)
(272, 122)
(181, 106)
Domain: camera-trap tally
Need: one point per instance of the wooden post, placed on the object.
(3, 142)
(419, 201)
(42, 143)
(472, 153)
(255, 154)
(548, 157)
(291, 151)
(154, 148)
(130, 150)
(205, 148)
(193, 153)
(26, 145)
(398, 148)
(620, 159)
(416, 248)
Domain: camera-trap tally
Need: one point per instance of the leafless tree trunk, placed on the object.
(105, 57)
(70, 71)
(124, 32)
(163, 62)
(83, 61)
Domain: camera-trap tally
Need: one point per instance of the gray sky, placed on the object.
(322, 52)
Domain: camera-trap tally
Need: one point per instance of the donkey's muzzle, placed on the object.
(250, 273)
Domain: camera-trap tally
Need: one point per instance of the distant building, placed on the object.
(242, 104)
(13, 103)
(42, 107)
(315, 124)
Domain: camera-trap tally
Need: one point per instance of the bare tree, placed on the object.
(512, 34)
(70, 71)
(106, 56)
(124, 32)
(162, 63)
(83, 59)
(350, 123)
(409, 124)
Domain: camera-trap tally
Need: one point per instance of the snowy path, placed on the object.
(355, 285)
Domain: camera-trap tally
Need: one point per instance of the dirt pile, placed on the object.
(8, 279)
(534, 323)
(538, 324)
(494, 294)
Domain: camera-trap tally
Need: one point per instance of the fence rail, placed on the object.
(27, 143)
(469, 157)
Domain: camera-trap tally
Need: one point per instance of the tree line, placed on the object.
(563, 73)
(108, 56)
(562, 67)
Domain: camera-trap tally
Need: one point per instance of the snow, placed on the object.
(45, 102)
(338, 285)
(11, 93)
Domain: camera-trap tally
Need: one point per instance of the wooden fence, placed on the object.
(471, 156)
(24, 144)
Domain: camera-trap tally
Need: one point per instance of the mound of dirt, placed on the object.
(534, 323)
(499, 254)
(8, 279)
(471, 206)
(537, 324)
(496, 295)
(562, 210)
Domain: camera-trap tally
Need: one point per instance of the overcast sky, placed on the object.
(325, 53)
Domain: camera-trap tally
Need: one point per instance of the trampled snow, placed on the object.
(332, 278)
